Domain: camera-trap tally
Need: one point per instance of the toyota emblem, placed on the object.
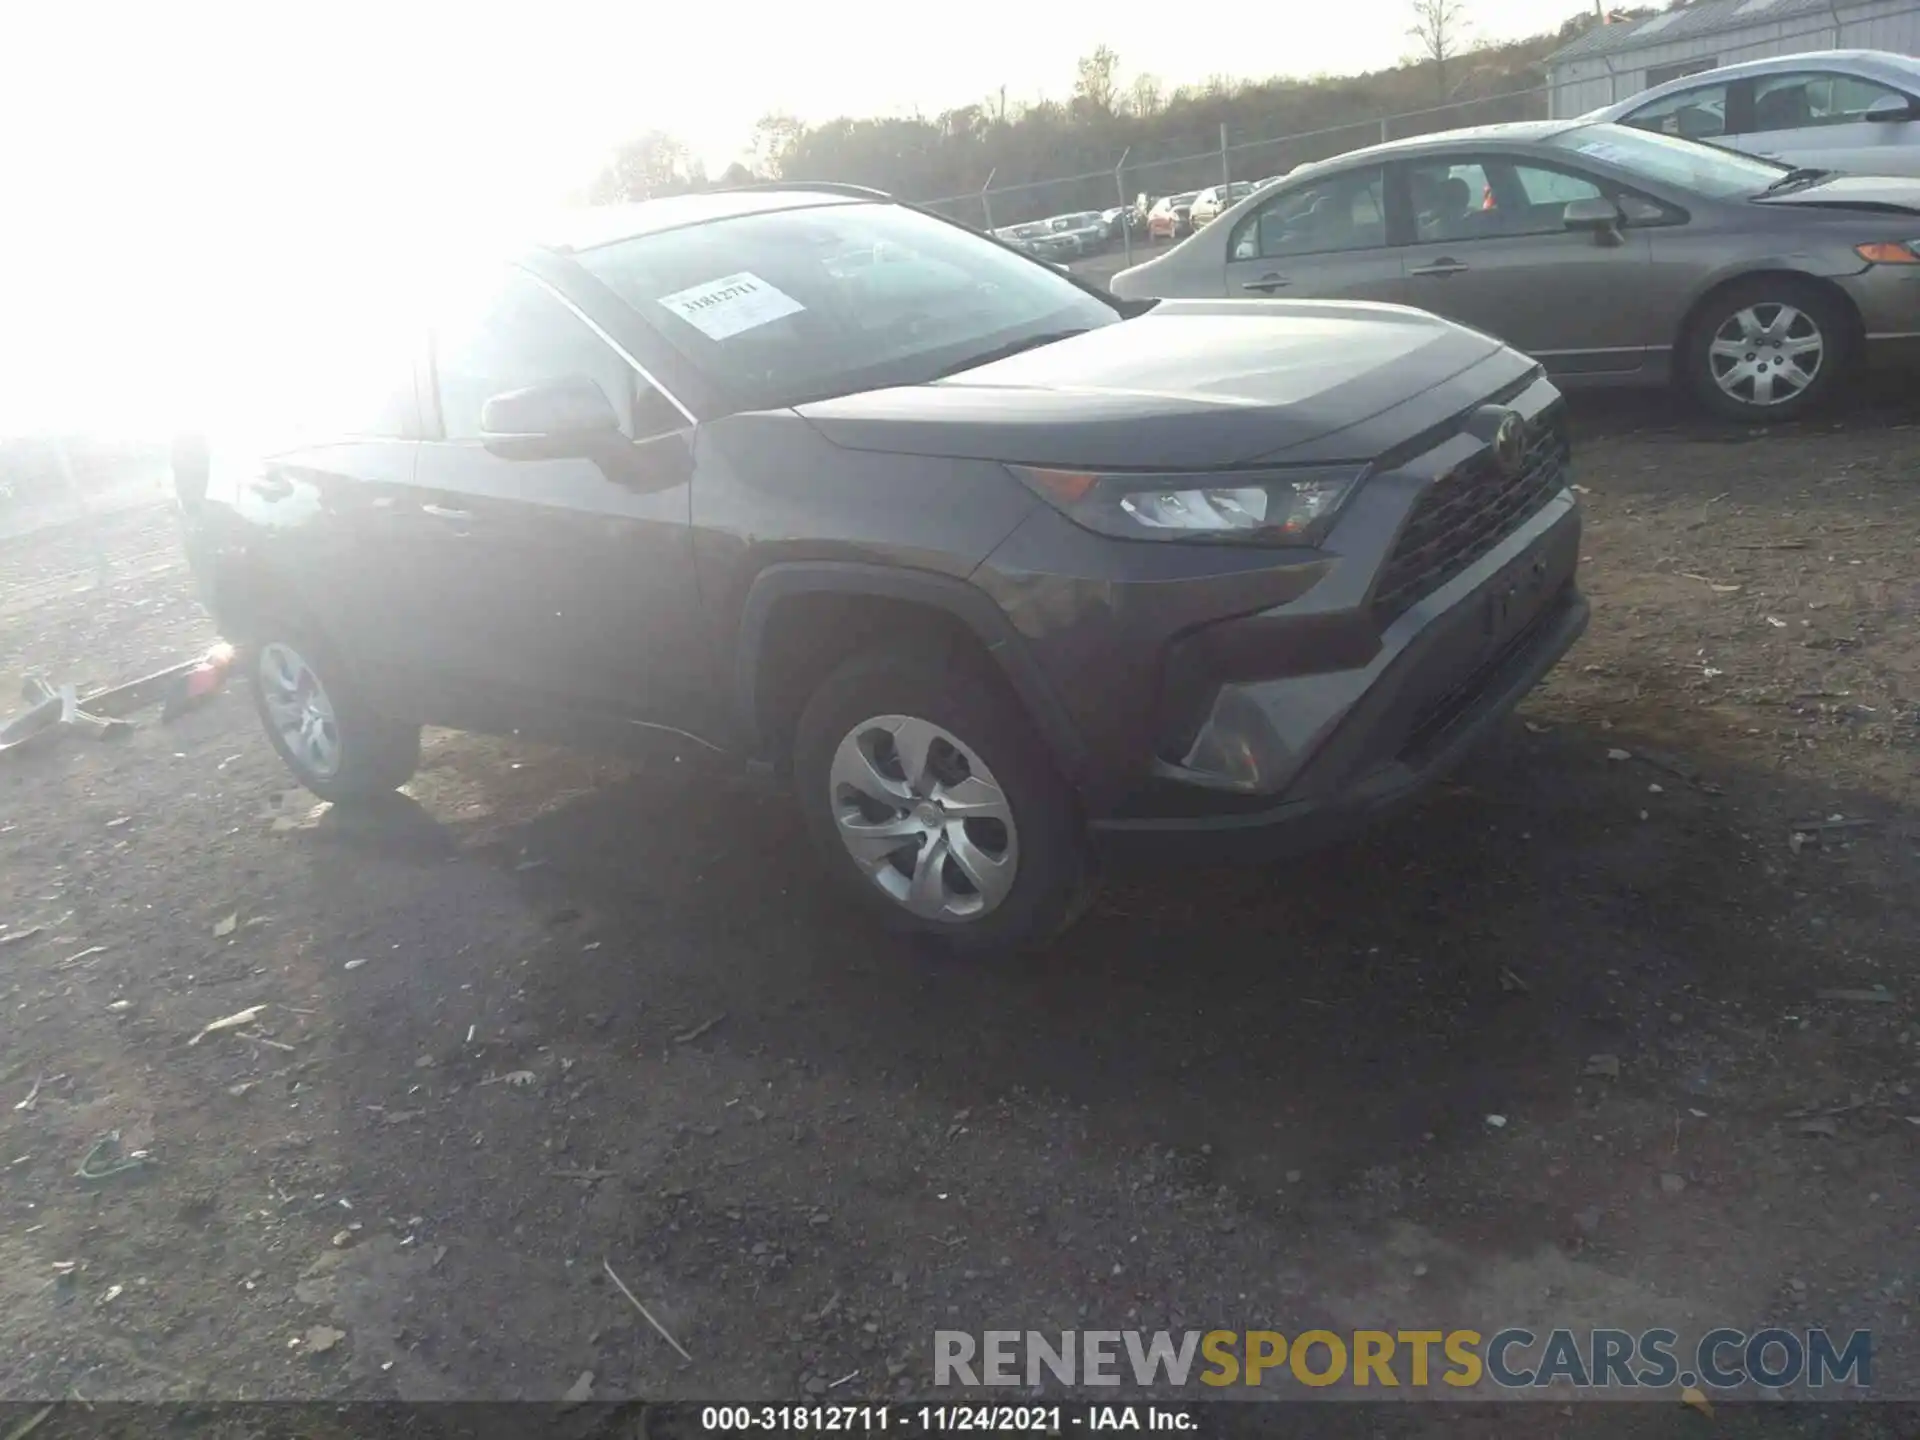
(1510, 444)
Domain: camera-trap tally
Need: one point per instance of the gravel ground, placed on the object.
(547, 1014)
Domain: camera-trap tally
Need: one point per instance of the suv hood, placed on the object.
(1852, 192)
(1190, 384)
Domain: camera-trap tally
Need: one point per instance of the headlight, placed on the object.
(1248, 507)
(1890, 252)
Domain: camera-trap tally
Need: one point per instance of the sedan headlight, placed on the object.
(1890, 252)
(1248, 507)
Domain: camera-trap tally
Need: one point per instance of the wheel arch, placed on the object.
(768, 694)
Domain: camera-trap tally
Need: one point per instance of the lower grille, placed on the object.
(1464, 514)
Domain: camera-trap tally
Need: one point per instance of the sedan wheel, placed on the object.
(298, 708)
(924, 818)
(1766, 355)
(1767, 349)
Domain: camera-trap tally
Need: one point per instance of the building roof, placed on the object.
(1698, 21)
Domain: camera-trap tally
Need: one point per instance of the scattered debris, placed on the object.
(694, 1034)
(581, 1391)
(850, 1376)
(1607, 1066)
(229, 1022)
(645, 1314)
(1498, 1122)
(1511, 982)
(1671, 1183)
(322, 1338)
(1821, 1125)
(14, 937)
(1694, 1398)
(32, 1423)
(1878, 995)
(103, 1159)
(226, 927)
(23, 1106)
(1618, 754)
(353, 964)
(519, 1079)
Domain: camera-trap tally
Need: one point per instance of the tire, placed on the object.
(301, 689)
(1791, 312)
(982, 754)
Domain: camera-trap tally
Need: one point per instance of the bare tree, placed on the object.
(1144, 97)
(1096, 82)
(1440, 27)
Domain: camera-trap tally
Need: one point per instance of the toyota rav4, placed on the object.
(995, 569)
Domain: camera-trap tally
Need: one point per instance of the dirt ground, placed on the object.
(550, 1015)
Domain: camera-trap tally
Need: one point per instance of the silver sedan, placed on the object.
(1615, 256)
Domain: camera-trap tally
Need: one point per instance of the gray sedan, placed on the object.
(1615, 256)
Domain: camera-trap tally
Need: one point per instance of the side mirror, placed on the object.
(1599, 216)
(1893, 110)
(571, 409)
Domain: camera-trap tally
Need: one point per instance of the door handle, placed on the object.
(1445, 265)
(441, 512)
(1267, 284)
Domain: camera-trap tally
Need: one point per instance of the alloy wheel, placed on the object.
(924, 818)
(300, 710)
(1766, 354)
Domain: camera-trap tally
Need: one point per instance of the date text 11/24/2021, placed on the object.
(943, 1419)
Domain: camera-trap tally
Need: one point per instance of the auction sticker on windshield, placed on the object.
(725, 307)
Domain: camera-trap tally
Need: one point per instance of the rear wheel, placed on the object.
(1767, 349)
(335, 744)
(931, 800)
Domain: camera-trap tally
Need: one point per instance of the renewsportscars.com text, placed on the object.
(1511, 1359)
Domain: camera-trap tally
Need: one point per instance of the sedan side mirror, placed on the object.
(571, 409)
(1599, 216)
(1893, 110)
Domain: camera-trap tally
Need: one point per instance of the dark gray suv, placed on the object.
(994, 566)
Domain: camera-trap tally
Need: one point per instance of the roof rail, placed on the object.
(828, 187)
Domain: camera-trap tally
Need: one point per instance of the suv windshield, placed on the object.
(1703, 169)
(794, 305)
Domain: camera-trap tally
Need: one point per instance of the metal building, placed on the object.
(1612, 61)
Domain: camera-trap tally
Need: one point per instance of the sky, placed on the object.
(177, 172)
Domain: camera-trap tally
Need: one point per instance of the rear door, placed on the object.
(1324, 238)
(553, 583)
(1490, 249)
(1818, 118)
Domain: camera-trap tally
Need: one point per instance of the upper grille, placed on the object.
(1464, 514)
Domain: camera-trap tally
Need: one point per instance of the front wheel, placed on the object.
(1767, 350)
(932, 801)
(335, 744)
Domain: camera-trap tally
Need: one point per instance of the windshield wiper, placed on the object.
(1802, 175)
(1012, 347)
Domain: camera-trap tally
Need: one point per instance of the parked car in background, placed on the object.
(1084, 230)
(989, 566)
(1038, 239)
(1171, 217)
(1121, 219)
(1615, 255)
(1208, 204)
(1855, 110)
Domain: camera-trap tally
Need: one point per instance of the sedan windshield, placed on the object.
(1704, 169)
(794, 305)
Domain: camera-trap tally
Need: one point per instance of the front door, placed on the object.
(1321, 239)
(1819, 118)
(1490, 249)
(553, 584)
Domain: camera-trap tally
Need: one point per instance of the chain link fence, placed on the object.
(1238, 158)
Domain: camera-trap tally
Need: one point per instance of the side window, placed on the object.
(1451, 201)
(1696, 114)
(1808, 98)
(1340, 212)
(515, 334)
